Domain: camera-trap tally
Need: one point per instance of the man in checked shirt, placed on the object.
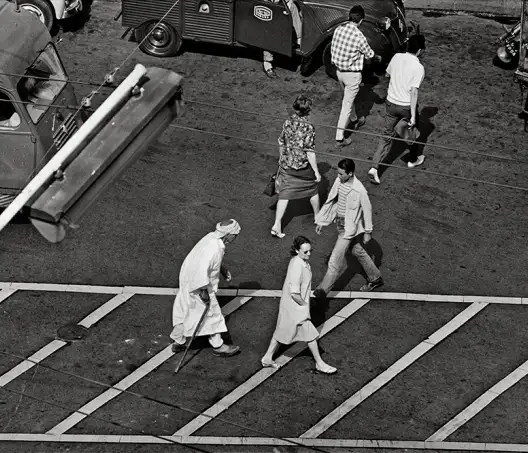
(349, 50)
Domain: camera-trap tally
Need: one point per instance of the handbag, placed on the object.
(408, 134)
(270, 189)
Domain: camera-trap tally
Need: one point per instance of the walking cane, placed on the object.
(198, 327)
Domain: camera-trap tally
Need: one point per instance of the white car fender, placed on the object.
(59, 6)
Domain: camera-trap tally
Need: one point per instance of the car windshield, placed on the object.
(42, 83)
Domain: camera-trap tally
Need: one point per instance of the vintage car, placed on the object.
(51, 11)
(262, 24)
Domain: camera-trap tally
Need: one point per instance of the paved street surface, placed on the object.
(412, 368)
(423, 360)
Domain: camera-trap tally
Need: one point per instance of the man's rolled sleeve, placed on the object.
(367, 211)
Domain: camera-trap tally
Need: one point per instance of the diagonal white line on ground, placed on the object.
(396, 368)
(266, 373)
(55, 345)
(125, 383)
(6, 293)
(263, 441)
(480, 403)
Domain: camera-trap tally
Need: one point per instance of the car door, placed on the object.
(17, 145)
(264, 24)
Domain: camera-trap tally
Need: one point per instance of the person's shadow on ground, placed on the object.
(426, 128)
(367, 97)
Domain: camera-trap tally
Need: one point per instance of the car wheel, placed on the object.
(40, 8)
(327, 61)
(158, 40)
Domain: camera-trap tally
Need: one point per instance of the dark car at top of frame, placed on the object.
(263, 24)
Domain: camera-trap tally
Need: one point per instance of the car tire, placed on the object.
(42, 9)
(327, 61)
(158, 40)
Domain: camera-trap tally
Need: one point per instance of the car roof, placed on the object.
(22, 36)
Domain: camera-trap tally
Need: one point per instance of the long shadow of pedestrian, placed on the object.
(426, 128)
(367, 97)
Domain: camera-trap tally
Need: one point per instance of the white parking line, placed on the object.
(160, 291)
(131, 379)
(6, 293)
(480, 403)
(265, 373)
(395, 369)
(263, 441)
(55, 345)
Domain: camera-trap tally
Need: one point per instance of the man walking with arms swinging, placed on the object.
(199, 278)
(348, 205)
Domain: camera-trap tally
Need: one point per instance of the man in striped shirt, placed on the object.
(349, 205)
(349, 50)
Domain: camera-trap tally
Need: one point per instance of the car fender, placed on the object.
(58, 7)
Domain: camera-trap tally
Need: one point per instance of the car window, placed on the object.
(36, 88)
(9, 118)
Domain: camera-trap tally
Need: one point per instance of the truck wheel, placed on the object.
(158, 40)
(327, 61)
(40, 8)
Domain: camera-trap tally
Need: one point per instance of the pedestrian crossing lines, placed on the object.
(314, 436)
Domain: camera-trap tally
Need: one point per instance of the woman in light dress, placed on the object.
(293, 323)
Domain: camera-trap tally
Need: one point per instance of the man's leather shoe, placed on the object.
(177, 347)
(226, 350)
(270, 73)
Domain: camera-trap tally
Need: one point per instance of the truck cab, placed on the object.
(40, 118)
(262, 24)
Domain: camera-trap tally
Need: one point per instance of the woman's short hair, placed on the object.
(297, 244)
(348, 165)
(302, 105)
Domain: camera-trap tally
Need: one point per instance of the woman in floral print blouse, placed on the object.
(298, 176)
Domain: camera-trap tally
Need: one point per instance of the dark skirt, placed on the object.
(296, 184)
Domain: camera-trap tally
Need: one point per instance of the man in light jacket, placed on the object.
(349, 206)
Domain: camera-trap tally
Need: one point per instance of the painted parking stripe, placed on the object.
(265, 373)
(160, 291)
(6, 293)
(395, 369)
(131, 379)
(55, 345)
(263, 441)
(480, 403)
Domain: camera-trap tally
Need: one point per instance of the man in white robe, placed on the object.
(199, 278)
